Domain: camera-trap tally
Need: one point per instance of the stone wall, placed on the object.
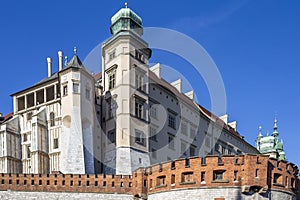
(18, 195)
(242, 177)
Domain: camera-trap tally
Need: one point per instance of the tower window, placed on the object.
(171, 142)
(87, 94)
(76, 88)
(140, 137)
(112, 136)
(52, 119)
(55, 143)
(172, 121)
(112, 80)
(65, 90)
(139, 109)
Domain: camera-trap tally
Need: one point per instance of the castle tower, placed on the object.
(125, 82)
(77, 106)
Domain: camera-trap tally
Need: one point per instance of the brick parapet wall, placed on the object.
(250, 173)
(66, 183)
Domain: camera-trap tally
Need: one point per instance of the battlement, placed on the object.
(67, 183)
(250, 173)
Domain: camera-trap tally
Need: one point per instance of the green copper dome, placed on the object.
(126, 20)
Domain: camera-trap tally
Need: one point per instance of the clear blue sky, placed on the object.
(255, 45)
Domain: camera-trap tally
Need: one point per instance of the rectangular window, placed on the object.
(192, 150)
(183, 148)
(140, 137)
(223, 150)
(207, 141)
(139, 109)
(235, 175)
(184, 128)
(76, 88)
(139, 56)
(217, 147)
(50, 93)
(172, 121)
(202, 176)
(173, 179)
(30, 100)
(192, 133)
(27, 151)
(87, 94)
(187, 177)
(40, 97)
(112, 136)
(171, 142)
(161, 181)
(153, 133)
(139, 81)
(218, 175)
(154, 153)
(153, 111)
(29, 116)
(25, 137)
(21, 103)
(112, 55)
(65, 90)
(256, 172)
(112, 80)
(55, 143)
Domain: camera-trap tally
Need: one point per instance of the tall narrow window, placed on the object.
(112, 136)
(50, 93)
(55, 143)
(202, 176)
(139, 109)
(235, 175)
(171, 142)
(111, 79)
(172, 121)
(87, 94)
(52, 119)
(65, 90)
(76, 88)
(183, 147)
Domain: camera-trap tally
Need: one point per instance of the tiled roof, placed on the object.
(6, 117)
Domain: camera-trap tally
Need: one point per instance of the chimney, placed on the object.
(60, 60)
(49, 61)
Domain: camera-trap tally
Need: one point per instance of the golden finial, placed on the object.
(126, 4)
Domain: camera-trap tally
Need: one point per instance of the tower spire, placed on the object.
(275, 132)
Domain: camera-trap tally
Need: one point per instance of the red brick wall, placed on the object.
(253, 171)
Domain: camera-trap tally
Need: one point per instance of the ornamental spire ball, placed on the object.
(126, 4)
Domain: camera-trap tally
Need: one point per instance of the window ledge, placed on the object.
(161, 186)
(278, 184)
(220, 181)
(187, 183)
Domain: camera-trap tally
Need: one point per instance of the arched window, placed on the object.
(52, 119)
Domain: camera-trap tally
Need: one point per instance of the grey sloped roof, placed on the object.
(75, 62)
